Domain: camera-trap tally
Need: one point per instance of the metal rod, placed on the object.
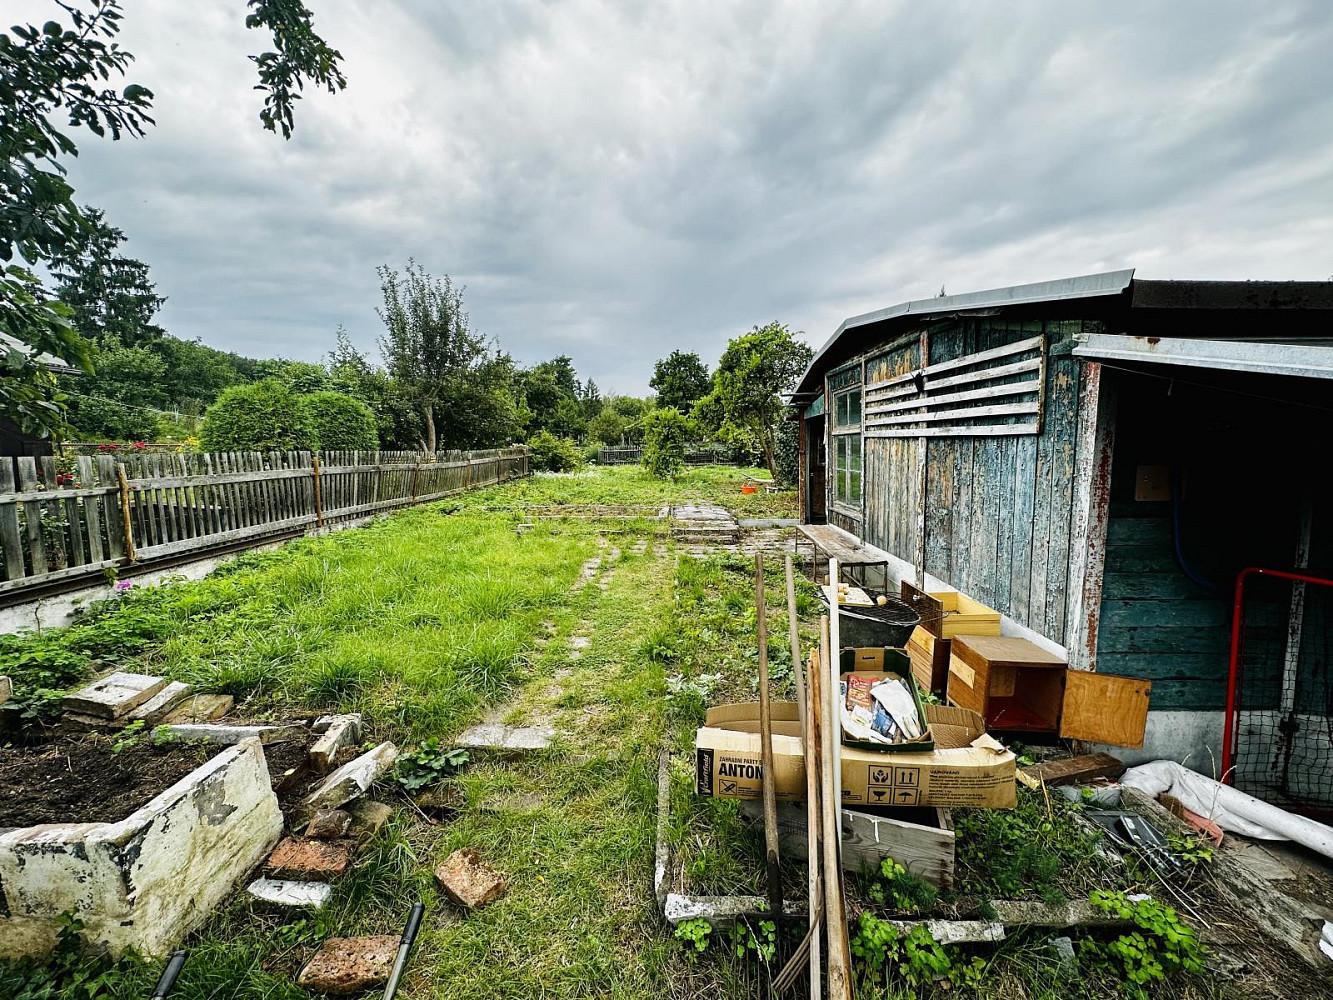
(795, 639)
(404, 947)
(167, 981)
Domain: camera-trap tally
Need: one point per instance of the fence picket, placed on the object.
(11, 540)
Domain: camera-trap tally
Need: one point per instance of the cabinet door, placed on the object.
(1104, 708)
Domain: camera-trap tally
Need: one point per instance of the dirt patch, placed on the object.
(83, 779)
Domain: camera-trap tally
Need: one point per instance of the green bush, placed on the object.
(786, 454)
(666, 432)
(259, 416)
(341, 423)
(553, 454)
(97, 418)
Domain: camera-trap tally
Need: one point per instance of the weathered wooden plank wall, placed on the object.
(55, 526)
(996, 510)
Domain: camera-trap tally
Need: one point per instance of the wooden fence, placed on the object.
(111, 512)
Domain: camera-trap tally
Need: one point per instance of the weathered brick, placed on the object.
(113, 695)
(308, 860)
(468, 881)
(350, 965)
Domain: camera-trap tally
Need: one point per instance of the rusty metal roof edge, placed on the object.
(1080, 287)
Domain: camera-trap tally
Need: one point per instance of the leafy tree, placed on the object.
(195, 373)
(100, 418)
(553, 397)
(258, 416)
(754, 368)
(681, 380)
(631, 408)
(788, 453)
(63, 70)
(299, 376)
(485, 410)
(339, 422)
(553, 454)
(607, 427)
(429, 348)
(665, 435)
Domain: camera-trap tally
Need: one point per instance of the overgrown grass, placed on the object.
(416, 620)
(631, 485)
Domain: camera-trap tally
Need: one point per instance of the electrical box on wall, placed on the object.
(1152, 482)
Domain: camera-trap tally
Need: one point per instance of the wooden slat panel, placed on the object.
(992, 430)
(93, 507)
(32, 517)
(1026, 387)
(11, 539)
(935, 416)
(115, 518)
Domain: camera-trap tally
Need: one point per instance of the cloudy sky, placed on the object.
(613, 180)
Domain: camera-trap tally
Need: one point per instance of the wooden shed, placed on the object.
(1097, 458)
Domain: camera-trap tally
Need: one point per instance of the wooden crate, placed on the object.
(930, 659)
(1017, 686)
(950, 613)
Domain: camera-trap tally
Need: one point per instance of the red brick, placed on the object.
(309, 860)
(468, 881)
(350, 965)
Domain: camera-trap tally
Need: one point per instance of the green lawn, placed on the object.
(433, 618)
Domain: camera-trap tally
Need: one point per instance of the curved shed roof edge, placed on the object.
(1081, 287)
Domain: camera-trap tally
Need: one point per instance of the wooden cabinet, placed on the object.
(1017, 686)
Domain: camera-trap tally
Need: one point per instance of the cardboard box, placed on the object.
(967, 768)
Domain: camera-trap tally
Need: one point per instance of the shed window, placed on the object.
(847, 447)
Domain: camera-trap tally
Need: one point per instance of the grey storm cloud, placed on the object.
(614, 180)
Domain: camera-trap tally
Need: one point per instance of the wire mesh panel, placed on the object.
(1280, 706)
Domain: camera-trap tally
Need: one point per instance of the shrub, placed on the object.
(666, 433)
(259, 416)
(341, 423)
(787, 455)
(553, 454)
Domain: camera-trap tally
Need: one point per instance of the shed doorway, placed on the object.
(816, 487)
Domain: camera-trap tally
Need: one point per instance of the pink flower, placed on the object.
(123, 584)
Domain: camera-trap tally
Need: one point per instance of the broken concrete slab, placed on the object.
(341, 731)
(321, 724)
(200, 708)
(308, 860)
(492, 736)
(114, 695)
(6, 689)
(155, 709)
(287, 894)
(344, 966)
(328, 824)
(230, 735)
(352, 780)
(467, 880)
(368, 818)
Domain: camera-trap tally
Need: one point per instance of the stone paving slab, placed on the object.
(155, 709)
(492, 736)
(114, 695)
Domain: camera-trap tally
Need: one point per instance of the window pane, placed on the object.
(854, 487)
(854, 407)
(854, 452)
(841, 418)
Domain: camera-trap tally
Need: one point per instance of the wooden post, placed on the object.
(835, 916)
(813, 824)
(832, 660)
(795, 638)
(769, 787)
(124, 484)
(319, 500)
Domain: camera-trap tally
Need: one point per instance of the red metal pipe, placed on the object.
(1229, 734)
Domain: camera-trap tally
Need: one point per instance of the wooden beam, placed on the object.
(1095, 445)
(963, 413)
(1071, 770)
(984, 430)
(961, 396)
